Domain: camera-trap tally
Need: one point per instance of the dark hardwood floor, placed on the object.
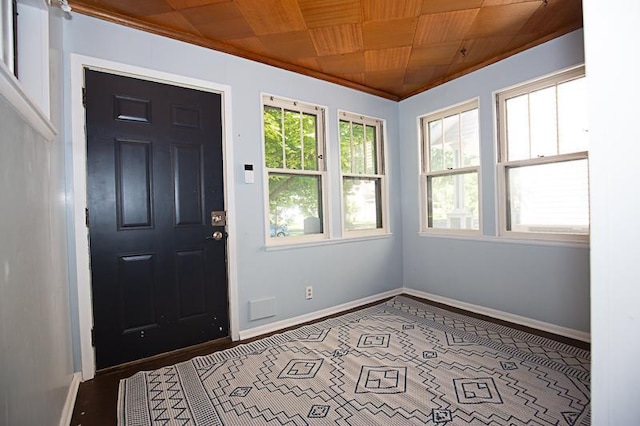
(96, 400)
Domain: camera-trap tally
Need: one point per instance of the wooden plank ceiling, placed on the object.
(390, 48)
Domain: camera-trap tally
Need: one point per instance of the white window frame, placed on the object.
(503, 165)
(321, 147)
(7, 34)
(426, 173)
(381, 174)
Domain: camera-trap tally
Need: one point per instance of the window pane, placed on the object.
(371, 160)
(273, 137)
(544, 137)
(572, 116)
(357, 148)
(362, 206)
(435, 146)
(310, 141)
(293, 142)
(453, 201)
(295, 204)
(517, 110)
(345, 146)
(470, 138)
(549, 198)
(451, 141)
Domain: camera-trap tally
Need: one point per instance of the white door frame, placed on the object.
(78, 200)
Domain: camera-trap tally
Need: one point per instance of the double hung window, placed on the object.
(543, 158)
(363, 176)
(294, 146)
(450, 170)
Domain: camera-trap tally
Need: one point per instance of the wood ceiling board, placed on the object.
(375, 10)
(354, 77)
(186, 4)
(136, 8)
(502, 20)
(219, 21)
(417, 76)
(442, 27)
(488, 3)
(251, 44)
(434, 54)
(386, 59)
(337, 39)
(388, 34)
(284, 16)
(483, 49)
(173, 20)
(324, 13)
(310, 63)
(294, 45)
(439, 6)
(555, 15)
(384, 79)
(349, 63)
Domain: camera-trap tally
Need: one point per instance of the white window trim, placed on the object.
(380, 125)
(502, 166)
(6, 34)
(323, 149)
(425, 173)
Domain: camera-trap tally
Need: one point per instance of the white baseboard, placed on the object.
(279, 325)
(505, 316)
(67, 410)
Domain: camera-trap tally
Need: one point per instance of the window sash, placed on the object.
(527, 89)
(505, 207)
(427, 144)
(375, 149)
(378, 216)
(428, 203)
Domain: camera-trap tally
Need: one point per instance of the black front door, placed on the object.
(154, 175)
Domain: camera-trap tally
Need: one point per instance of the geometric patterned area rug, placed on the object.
(401, 362)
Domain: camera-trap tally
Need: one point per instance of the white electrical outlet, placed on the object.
(309, 292)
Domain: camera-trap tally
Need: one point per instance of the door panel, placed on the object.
(154, 165)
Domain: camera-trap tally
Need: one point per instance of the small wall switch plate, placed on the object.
(248, 173)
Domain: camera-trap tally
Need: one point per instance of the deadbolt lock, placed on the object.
(218, 218)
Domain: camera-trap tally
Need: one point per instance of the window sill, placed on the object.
(509, 240)
(333, 241)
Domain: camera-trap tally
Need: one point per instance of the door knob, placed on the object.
(216, 236)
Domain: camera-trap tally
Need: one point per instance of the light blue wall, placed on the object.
(339, 273)
(543, 282)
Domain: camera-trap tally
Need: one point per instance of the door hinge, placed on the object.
(93, 338)
(86, 216)
(84, 97)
